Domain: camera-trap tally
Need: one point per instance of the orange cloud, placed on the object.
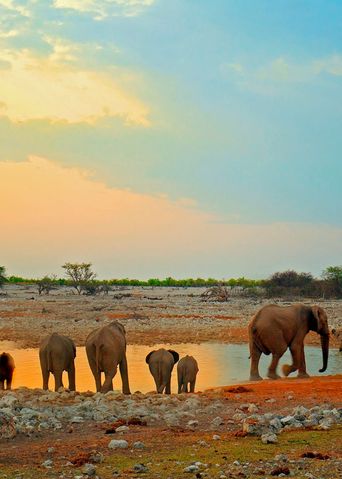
(51, 214)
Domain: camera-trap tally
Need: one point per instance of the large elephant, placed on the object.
(275, 328)
(106, 350)
(6, 370)
(187, 370)
(161, 364)
(57, 354)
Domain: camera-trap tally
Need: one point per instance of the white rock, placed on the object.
(118, 444)
(269, 438)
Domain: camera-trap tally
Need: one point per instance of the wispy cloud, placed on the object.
(16, 7)
(281, 72)
(34, 87)
(106, 8)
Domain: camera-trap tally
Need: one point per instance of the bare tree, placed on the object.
(79, 275)
(218, 292)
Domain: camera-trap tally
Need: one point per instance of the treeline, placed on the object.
(82, 278)
(189, 282)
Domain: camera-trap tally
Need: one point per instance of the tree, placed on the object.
(46, 284)
(332, 281)
(289, 283)
(2, 276)
(79, 275)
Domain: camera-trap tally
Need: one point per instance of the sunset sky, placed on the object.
(179, 138)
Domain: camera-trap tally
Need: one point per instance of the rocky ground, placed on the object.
(256, 430)
(281, 428)
(150, 315)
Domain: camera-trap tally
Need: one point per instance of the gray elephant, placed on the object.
(275, 328)
(106, 350)
(6, 370)
(187, 370)
(161, 364)
(57, 354)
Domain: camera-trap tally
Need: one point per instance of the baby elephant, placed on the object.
(187, 370)
(161, 363)
(57, 354)
(338, 335)
(6, 370)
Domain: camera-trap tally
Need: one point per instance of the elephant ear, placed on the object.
(147, 359)
(174, 354)
(318, 314)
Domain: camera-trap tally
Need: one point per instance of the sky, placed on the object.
(178, 138)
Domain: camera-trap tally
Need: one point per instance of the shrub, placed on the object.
(3, 278)
(46, 284)
(289, 283)
(79, 275)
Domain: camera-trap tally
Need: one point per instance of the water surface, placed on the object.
(219, 364)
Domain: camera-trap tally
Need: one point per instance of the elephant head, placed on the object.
(320, 325)
(118, 326)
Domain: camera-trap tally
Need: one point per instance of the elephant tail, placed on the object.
(161, 379)
(49, 360)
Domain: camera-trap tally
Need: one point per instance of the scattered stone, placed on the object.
(140, 468)
(281, 471)
(122, 429)
(89, 469)
(48, 464)
(269, 438)
(118, 444)
(138, 445)
(216, 437)
(192, 468)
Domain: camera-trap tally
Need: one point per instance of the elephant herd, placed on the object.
(106, 351)
(272, 330)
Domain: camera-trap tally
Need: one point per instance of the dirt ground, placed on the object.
(168, 450)
(170, 315)
(150, 315)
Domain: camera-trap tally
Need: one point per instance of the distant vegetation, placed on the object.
(3, 278)
(82, 278)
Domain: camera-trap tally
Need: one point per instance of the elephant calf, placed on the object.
(106, 350)
(187, 370)
(338, 335)
(57, 354)
(6, 370)
(161, 364)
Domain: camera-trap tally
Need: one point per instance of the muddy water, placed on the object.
(219, 364)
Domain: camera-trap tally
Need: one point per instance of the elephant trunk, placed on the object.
(325, 351)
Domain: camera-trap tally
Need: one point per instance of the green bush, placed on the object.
(3, 278)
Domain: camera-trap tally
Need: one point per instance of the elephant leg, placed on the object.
(45, 374)
(296, 353)
(272, 370)
(109, 376)
(71, 377)
(9, 380)
(255, 357)
(302, 366)
(58, 379)
(2, 385)
(192, 386)
(168, 387)
(185, 387)
(124, 376)
(96, 373)
(180, 383)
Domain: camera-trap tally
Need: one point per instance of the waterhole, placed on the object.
(219, 364)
